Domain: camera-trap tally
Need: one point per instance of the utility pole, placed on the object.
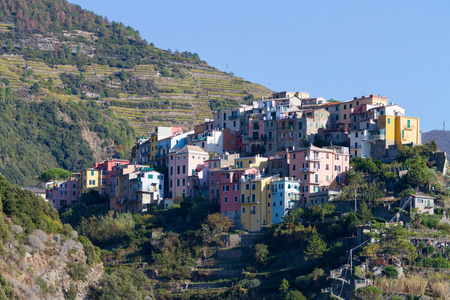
(355, 202)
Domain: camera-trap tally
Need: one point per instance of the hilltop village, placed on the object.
(258, 161)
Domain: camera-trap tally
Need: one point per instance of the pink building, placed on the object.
(65, 193)
(108, 167)
(184, 165)
(317, 168)
(225, 189)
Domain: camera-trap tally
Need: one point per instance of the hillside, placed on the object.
(441, 137)
(40, 257)
(78, 88)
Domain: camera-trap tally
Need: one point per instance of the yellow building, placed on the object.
(400, 130)
(257, 161)
(256, 210)
(93, 179)
(153, 145)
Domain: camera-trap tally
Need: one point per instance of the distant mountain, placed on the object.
(441, 137)
(76, 87)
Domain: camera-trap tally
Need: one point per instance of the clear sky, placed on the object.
(336, 49)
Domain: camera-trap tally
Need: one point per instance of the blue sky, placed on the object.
(333, 49)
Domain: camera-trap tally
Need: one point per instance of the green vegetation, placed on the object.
(54, 174)
(35, 137)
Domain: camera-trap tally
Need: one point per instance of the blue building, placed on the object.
(285, 197)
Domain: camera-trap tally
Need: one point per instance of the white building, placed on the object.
(142, 189)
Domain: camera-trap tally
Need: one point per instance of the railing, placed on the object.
(313, 158)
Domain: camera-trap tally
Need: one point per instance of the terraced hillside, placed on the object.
(183, 100)
(82, 56)
(77, 88)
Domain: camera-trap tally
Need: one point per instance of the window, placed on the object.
(63, 193)
(212, 182)
(236, 187)
(226, 188)
(225, 199)
(242, 198)
(178, 169)
(184, 169)
(247, 186)
(150, 176)
(403, 134)
(408, 123)
(388, 120)
(345, 106)
(293, 167)
(253, 186)
(305, 177)
(327, 178)
(92, 173)
(345, 116)
(243, 210)
(184, 181)
(178, 182)
(316, 178)
(300, 125)
(235, 199)
(253, 198)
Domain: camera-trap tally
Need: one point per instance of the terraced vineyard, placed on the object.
(182, 100)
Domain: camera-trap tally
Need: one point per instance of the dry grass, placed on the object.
(412, 285)
(439, 290)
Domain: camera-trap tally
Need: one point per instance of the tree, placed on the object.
(55, 174)
(294, 295)
(261, 253)
(350, 221)
(218, 222)
(284, 286)
(364, 214)
(418, 174)
(315, 248)
(391, 240)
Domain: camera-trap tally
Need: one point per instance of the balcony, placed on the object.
(355, 147)
(233, 117)
(410, 128)
(309, 170)
(372, 137)
(313, 158)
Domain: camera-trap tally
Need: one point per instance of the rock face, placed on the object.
(41, 266)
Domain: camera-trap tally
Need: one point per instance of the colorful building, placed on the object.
(64, 194)
(285, 197)
(184, 163)
(225, 189)
(317, 168)
(256, 199)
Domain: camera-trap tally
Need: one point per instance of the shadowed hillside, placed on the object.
(441, 137)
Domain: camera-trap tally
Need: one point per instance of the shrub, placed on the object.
(368, 293)
(121, 284)
(261, 253)
(92, 252)
(294, 295)
(77, 270)
(71, 293)
(43, 285)
(390, 272)
(250, 283)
